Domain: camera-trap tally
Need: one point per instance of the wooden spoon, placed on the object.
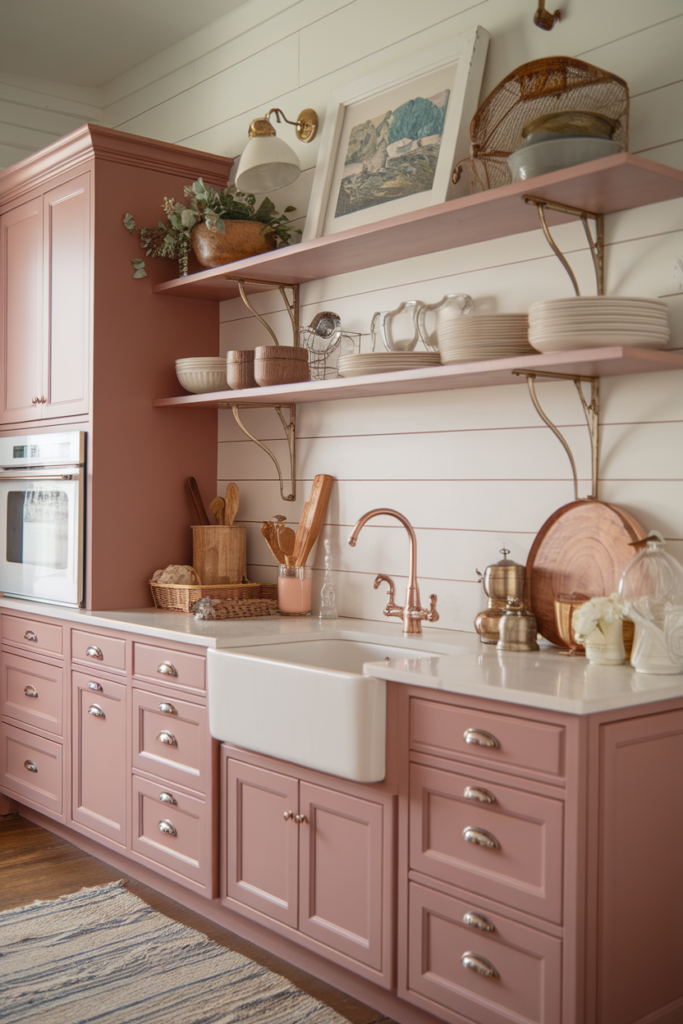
(196, 499)
(217, 509)
(269, 532)
(312, 518)
(232, 503)
(286, 538)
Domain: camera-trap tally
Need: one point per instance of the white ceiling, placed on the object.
(89, 42)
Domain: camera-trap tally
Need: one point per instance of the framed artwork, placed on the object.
(390, 140)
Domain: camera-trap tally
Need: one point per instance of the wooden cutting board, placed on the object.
(580, 552)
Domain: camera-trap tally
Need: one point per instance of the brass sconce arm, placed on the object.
(306, 125)
(544, 19)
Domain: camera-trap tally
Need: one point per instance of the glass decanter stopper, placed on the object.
(328, 604)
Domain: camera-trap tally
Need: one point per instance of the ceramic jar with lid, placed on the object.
(501, 580)
(652, 589)
(518, 628)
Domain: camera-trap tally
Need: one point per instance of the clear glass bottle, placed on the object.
(328, 598)
(652, 589)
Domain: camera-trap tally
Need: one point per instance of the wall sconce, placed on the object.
(267, 162)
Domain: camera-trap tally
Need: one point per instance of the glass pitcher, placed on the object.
(449, 307)
(652, 589)
(398, 327)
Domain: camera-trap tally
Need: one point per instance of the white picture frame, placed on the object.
(454, 66)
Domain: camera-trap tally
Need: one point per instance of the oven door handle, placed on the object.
(38, 477)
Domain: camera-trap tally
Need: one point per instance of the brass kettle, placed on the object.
(518, 628)
(501, 580)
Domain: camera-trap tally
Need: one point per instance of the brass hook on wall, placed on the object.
(544, 19)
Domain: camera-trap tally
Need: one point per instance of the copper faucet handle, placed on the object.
(392, 608)
(432, 615)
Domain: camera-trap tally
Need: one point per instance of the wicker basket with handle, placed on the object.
(237, 600)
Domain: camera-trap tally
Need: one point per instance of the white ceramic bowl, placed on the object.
(201, 363)
(201, 382)
(556, 154)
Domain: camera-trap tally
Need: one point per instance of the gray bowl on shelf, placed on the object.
(556, 154)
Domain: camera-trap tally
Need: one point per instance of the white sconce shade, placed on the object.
(267, 164)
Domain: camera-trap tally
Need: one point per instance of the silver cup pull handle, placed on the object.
(167, 669)
(481, 738)
(30, 691)
(167, 709)
(94, 652)
(31, 766)
(481, 795)
(479, 964)
(478, 921)
(168, 798)
(92, 685)
(96, 711)
(168, 738)
(167, 827)
(481, 838)
(31, 636)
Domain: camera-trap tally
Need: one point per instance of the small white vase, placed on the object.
(605, 645)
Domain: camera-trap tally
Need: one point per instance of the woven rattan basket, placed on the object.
(236, 600)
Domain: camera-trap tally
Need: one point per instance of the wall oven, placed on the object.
(42, 529)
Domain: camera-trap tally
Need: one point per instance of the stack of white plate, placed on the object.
(483, 336)
(203, 374)
(594, 321)
(385, 362)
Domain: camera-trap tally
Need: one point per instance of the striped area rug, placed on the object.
(103, 955)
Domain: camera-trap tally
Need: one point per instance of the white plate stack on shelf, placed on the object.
(598, 321)
(483, 336)
(385, 362)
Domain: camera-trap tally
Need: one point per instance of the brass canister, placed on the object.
(502, 580)
(518, 628)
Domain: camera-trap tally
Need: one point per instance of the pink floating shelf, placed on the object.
(592, 362)
(614, 183)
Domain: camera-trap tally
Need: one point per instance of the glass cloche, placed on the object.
(652, 589)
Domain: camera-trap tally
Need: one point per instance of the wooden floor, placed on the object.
(37, 865)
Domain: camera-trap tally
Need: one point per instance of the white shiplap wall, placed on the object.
(474, 469)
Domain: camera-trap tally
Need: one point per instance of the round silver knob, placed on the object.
(478, 921)
(94, 652)
(481, 838)
(477, 963)
(168, 738)
(31, 766)
(167, 827)
(31, 636)
(167, 709)
(300, 819)
(289, 815)
(481, 795)
(96, 711)
(167, 669)
(30, 691)
(34, 401)
(480, 737)
(167, 798)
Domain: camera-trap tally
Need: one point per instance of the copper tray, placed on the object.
(580, 552)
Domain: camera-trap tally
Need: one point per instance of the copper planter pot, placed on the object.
(242, 238)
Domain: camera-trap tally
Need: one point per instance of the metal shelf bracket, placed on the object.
(596, 246)
(591, 410)
(291, 304)
(290, 435)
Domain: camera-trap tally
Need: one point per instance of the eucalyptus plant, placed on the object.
(212, 207)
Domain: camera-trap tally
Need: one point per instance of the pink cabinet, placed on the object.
(99, 770)
(32, 692)
(171, 739)
(31, 770)
(315, 859)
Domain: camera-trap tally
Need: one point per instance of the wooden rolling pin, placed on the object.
(312, 518)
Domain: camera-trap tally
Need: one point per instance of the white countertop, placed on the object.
(454, 662)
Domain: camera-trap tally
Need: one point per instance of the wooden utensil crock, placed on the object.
(280, 364)
(240, 369)
(219, 553)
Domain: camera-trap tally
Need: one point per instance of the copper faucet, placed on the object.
(412, 612)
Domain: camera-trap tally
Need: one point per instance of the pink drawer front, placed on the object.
(32, 768)
(509, 849)
(503, 740)
(526, 963)
(98, 650)
(172, 828)
(171, 739)
(162, 665)
(44, 637)
(32, 692)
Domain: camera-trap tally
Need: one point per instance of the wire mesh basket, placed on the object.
(326, 340)
(540, 87)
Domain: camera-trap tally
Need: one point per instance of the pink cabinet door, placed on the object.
(21, 313)
(172, 829)
(641, 864)
(99, 773)
(31, 769)
(446, 953)
(69, 266)
(509, 848)
(171, 739)
(341, 867)
(32, 692)
(263, 840)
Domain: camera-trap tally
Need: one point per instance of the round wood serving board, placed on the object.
(580, 552)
